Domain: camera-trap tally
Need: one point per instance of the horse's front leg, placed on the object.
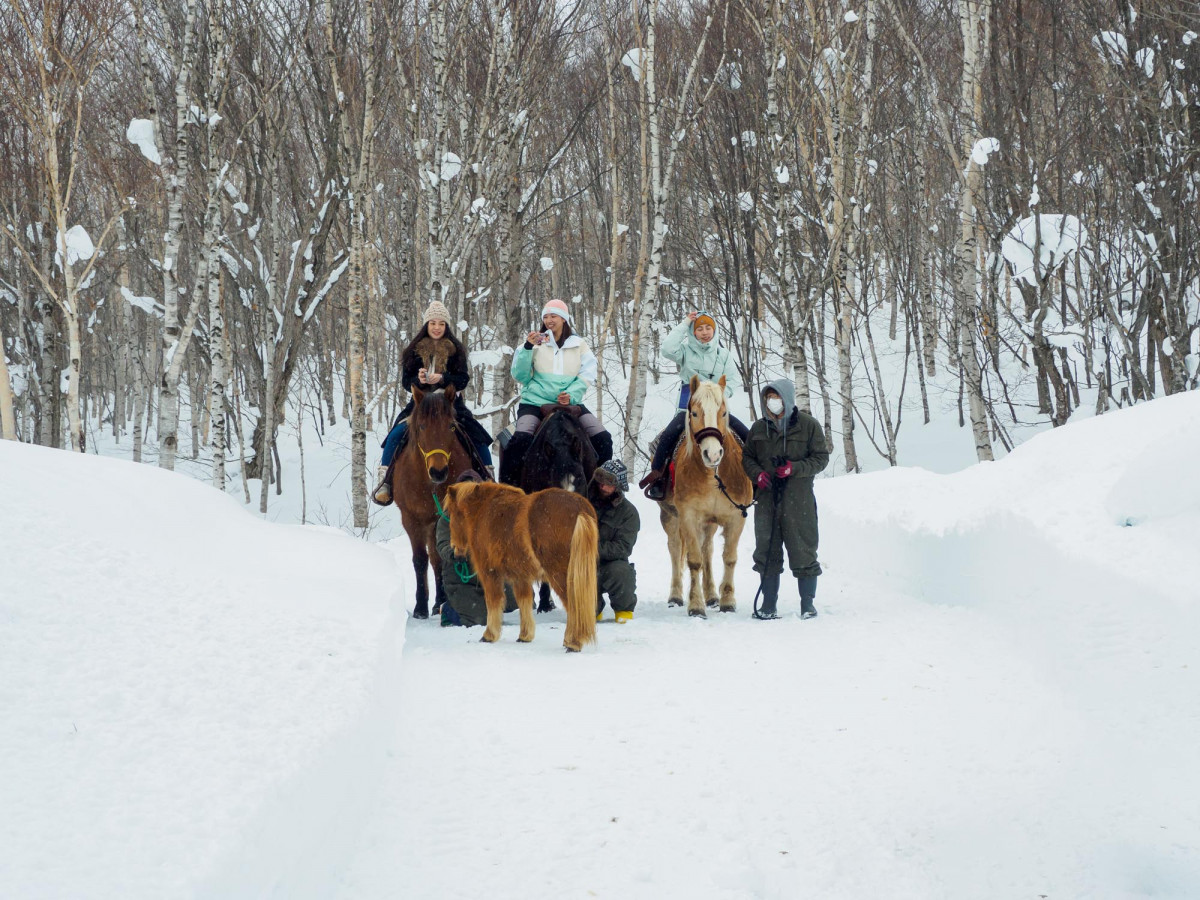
(732, 535)
(420, 559)
(706, 558)
(524, 596)
(670, 524)
(439, 589)
(691, 546)
(493, 596)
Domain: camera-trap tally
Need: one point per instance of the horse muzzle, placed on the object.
(712, 456)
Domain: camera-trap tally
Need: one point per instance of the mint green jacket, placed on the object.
(710, 361)
(547, 370)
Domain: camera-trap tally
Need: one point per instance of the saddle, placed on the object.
(547, 409)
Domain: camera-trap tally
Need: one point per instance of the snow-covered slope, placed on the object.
(188, 696)
(1000, 698)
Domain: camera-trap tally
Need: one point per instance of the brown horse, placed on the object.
(711, 491)
(431, 460)
(519, 538)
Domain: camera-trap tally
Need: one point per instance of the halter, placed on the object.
(709, 432)
(434, 452)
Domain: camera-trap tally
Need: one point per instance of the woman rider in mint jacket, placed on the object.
(554, 366)
(693, 344)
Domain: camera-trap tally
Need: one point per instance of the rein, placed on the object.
(461, 567)
(697, 437)
(743, 508)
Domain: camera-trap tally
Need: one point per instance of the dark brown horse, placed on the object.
(561, 456)
(432, 459)
(516, 538)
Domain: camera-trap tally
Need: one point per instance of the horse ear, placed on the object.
(450, 393)
(417, 395)
(693, 384)
(721, 382)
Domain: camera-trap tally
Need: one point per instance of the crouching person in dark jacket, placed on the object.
(619, 524)
(785, 449)
(465, 604)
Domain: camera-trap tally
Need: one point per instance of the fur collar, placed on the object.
(434, 353)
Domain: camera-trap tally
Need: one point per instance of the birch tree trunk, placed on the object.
(175, 169)
(8, 420)
(658, 173)
(973, 20)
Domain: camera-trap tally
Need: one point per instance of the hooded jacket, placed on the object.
(796, 436)
(710, 361)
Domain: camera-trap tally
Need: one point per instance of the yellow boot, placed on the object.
(625, 616)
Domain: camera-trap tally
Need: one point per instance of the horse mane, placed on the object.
(434, 404)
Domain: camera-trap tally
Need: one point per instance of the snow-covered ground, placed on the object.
(1000, 699)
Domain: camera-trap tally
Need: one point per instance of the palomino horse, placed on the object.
(431, 460)
(711, 491)
(518, 538)
(560, 456)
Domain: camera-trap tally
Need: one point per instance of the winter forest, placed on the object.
(966, 231)
(221, 216)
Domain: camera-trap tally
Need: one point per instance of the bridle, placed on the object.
(711, 432)
(435, 452)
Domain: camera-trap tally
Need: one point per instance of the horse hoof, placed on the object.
(546, 607)
(572, 649)
(728, 609)
(420, 614)
(697, 614)
(711, 602)
(675, 601)
(522, 640)
(437, 609)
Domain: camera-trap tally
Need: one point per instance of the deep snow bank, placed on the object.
(1117, 494)
(188, 694)
(1081, 547)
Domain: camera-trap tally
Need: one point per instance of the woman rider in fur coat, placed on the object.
(433, 359)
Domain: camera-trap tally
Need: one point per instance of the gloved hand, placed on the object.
(784, 471)
(763, 480)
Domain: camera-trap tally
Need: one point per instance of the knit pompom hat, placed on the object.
(704, 319)
(557, 307)
(436, 310)
(615, 473)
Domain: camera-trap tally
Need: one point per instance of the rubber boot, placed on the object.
(770, 598)
(512, 456)
(808, 593)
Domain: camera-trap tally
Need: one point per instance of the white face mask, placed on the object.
(775, 405)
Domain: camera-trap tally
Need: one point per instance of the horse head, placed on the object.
(432, 428)
(561, 455)
(708, 419)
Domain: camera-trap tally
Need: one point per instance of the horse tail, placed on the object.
(581, 584)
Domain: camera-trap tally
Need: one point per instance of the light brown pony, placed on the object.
(711, 491)
(432, 459)
(520, 538)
